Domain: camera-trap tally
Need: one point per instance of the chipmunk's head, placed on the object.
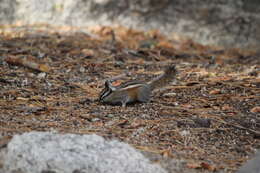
(109, 88)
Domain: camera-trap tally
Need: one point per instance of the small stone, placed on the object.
(176, 104)
(82, 69)
(203, 122)
(95, 119)
(25, 82)
(185, 133)
(110, 115)
(119, 63)
(252, 165)
(31, 74)
(38, 152)
(41, 75)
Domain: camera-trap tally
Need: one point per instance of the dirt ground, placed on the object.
(208, 117)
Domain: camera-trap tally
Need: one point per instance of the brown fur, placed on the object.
(136, 92)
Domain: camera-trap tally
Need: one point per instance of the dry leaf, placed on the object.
(88, 52)
(214, 92)
(222, 78)
(22, 98)
(165, 44)
(121, 123)
(189, 106)
(166, 153)
(116, 83)
(226, 108)
(194, 165)
(29, 62)
(255, 109)
(207, 166)
(203, 165)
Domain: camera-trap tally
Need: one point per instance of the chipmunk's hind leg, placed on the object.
(144, 94)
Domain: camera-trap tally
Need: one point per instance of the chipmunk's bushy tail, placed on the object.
(164, 79)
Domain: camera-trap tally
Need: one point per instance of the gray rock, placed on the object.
(7, 11)
(232, 23)
(38, 152)
(252, 166)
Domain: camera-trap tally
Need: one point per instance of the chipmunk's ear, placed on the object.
(109, 85)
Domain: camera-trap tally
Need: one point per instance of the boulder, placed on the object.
(252, 166)
(38, 152)
(233, 23)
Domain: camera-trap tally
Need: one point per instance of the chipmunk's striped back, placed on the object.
(126, 93)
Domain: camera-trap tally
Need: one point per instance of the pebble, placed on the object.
(110, 115)
(95, 119)
(41, 75)
(82, 69)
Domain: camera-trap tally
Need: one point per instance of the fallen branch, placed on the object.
(29, 62)
(254, 132)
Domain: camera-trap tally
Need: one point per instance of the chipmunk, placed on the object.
(135, 91)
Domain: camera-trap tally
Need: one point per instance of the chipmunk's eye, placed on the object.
(109, 85)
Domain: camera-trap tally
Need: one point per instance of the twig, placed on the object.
(256, 133)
